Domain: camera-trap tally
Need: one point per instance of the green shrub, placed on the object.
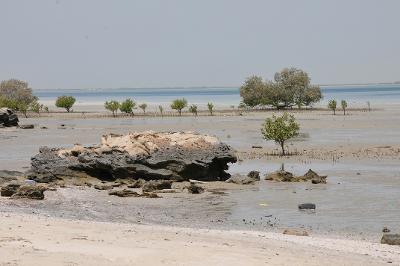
(65, 102)
(332, 105)
(127, 106)
(280, 129)
(193, 109)
(112, 106)
(179, 104)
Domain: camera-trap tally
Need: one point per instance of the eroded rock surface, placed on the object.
(148, 155)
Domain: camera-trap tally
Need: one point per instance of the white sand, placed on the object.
(32, 240)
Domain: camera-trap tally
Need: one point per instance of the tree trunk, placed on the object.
(180, 112)
(334, 112)
(344, 111)
(283, 148)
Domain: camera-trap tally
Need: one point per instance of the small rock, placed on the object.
(8, 118)
(254, 175)
(314, 177)
(124, 193)
(256, 147)
(9, 189)
(391, 239)
(307, 206)
(149, 195)
(103, 187)
(156, 185)
(26, 126)
(385, 230)
(30, 192)
(43, 127)
(195, 189)
(281, 176)
(240, 179)
(136, 183)
(295, 232)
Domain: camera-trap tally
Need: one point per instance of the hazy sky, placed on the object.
(157, 43)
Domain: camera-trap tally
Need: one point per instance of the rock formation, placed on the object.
(148, 155)
(17, 191)
(284, 176)
(251, 178)
(8, 118)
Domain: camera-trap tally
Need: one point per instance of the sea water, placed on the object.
(355, 95)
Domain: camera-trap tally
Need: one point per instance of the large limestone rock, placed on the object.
(8, 118)
(147, 155)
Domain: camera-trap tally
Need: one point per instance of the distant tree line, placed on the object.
(290, 87)
(129, 105)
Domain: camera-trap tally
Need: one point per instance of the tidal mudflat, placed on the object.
(359, 153)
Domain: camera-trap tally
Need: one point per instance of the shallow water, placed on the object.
(359, 199)
(356, 95)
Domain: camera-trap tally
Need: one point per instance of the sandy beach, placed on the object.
(64, 242)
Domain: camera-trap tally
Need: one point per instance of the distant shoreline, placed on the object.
(212, 87)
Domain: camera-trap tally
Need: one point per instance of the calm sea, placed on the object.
(355, 95)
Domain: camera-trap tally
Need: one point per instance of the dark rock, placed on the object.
(256, 147)
(254, 175)
(30, 192)
(149, 195)
(154, 185)
(391, 239)
(9, 189)
(307, 206)
(195, 189)
(124, 193)
(150, 156)
(129, 193)
(295, 232)
(385, 230)
(26, 126)
(314, 177)
(103, 187)
(8, 118)
(43, 127)
(241, 180)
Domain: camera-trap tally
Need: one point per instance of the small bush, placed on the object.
(179, 104)
(112, 106)
(65, 102)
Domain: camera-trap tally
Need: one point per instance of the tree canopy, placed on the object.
(16, 94)
(65, 102)
(179, 104)
(332, 105)
(290, 87)
(210, 107)
(280, 129)
(344, 106)
(143, 106)
(193, 109)
(127, 106)
(112, 106)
